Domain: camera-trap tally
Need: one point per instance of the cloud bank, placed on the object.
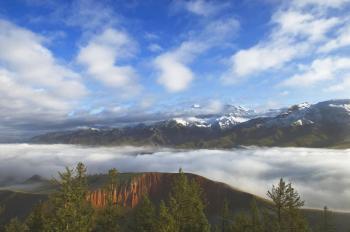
(322, 176)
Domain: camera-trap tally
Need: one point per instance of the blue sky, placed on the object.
(86, 62)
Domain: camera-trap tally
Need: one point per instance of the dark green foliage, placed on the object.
(15, 226)
(145, 217)
(287, 204)
(241, 223)
(186, 205)
(108, 217)
(225, 218)
(36, 220)
(248, 222)
(256, 220)
(327, 225)
(166, 221)
(184, 211)
(71, 211)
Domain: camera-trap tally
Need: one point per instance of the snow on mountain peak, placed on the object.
(192, 121)
(344, 106)
(304, 105)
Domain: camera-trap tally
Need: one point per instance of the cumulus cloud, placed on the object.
(321, 176)
(86, 14)
(155, 47)
(102, 52)
(23, 53)
(320, 70)
(173, 66)
(33, 82)
(321, 3)
(294, 34)
(341, 40)
(199, 7)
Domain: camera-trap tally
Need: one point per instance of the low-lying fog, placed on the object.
(322, 176)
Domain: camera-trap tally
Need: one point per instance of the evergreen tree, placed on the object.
(145, 217)
(279, 198)
(166, 222)
(287, 204)
(241, 223)
(186, 205)
(70, 209)
(225, 217)
(36, 220)
(327, 225)
(108, 217)
(15, 226)
(250, 222)
(256, 224)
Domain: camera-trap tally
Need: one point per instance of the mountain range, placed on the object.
(325, 124)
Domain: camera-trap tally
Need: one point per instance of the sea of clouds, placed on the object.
(322, 176)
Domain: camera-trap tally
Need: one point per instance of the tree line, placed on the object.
(68, 210)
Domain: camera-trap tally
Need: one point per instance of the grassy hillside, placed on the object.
(157, 185)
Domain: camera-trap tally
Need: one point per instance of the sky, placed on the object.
(69, 64)
(320, 182)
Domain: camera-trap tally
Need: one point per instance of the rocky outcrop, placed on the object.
(129, 194)
(158, 186)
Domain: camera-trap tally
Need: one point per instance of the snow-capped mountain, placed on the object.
(325, 124)
(333, 111)
(229, 117)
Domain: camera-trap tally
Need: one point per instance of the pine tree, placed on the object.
(279, 198)
(145, 217)
(15, 226)
(242, 223)
(36, 220)
(225, 217)
(70, 209)
(108, 218)
(287, 203)
(166, 222)
(327, 225)
(256, 224)
(186, 205)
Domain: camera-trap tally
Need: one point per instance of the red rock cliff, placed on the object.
(157, 186)
(130, 194)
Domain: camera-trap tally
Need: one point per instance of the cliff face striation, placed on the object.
(129, 194)
(158, 186)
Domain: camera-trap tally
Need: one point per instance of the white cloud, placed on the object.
(321, 3)
(342, 40)
(173, 68)
(344, 85)
(299, 24)
(23, 100)
(200, 7)
(87, 14)
(174, 75)
(34, 85)
(101, 54)
(294, 34)
(317, 174)
(258, 58)
(23, 54)
(320, 70)
(155, 47)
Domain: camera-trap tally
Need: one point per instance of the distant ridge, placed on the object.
(325, 124)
